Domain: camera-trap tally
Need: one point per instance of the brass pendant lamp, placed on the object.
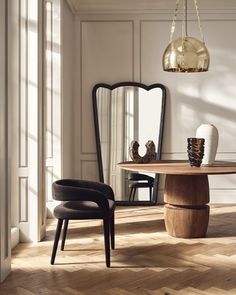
(186, 54)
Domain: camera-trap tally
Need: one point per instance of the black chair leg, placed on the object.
(64, 234)
(56, 239)
(134, 193)
(112, 229)
(150, 192)
(106, 227)
(130, 193)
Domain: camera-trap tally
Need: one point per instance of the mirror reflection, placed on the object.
(125, 112)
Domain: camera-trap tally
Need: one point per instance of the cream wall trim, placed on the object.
(92, 157)
(23, 109)
(52, 93)
(41, 221)
(76, 58)
(5, 237)
(68, 83)
(48, 78)
(13, 108)
(23, 113)
(71, 5)
(23, 199)
(223, 196)
(23, 82)
(53, 121)
(15, 237)
(142, 6)
(165, 17)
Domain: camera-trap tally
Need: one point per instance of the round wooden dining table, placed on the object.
(186, 193)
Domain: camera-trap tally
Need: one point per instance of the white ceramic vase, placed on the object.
(210, 133)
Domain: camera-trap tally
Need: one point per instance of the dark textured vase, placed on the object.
(195, 151)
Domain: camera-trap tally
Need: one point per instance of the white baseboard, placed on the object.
(223, 196)
(15, 237)
(50, 207)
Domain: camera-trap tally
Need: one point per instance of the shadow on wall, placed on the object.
(203, 98)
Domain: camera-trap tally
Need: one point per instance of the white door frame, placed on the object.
(5, 239)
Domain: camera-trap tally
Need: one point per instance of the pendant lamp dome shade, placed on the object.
(186, 55)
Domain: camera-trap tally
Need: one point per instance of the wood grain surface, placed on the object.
(186, 190)
(180, 167)
(186, 214)
(146, 261)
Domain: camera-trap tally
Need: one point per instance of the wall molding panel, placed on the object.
(23, 199)
(89, 169)
(86, 59)
(90, 77)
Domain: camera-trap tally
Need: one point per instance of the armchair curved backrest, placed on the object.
(139, 180)
(140, 177)
(82, 190)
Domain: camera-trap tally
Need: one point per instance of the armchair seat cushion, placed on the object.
(81, 210)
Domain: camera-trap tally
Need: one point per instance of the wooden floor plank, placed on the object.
(146, 261)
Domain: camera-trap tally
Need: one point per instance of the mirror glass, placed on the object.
(125, 112)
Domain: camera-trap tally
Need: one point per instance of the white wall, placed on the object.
(116, 44)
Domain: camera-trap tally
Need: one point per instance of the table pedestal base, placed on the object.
(188, 222)
(186, 213)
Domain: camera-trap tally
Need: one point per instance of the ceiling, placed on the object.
(100, 6)
(78, 6)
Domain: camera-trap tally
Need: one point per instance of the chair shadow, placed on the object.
(151, 226)
(220, 225)
(151, 256)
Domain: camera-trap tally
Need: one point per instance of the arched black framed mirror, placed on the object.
(124, 112)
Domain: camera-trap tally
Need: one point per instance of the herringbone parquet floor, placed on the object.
(146, 260)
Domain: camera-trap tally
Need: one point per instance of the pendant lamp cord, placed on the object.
(199, 22)
(186, 18)
(174, 20)
(185, 21)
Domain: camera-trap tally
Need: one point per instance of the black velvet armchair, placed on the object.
(83, 199)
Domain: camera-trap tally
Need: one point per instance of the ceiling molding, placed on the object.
(72, 6)
(145, 6)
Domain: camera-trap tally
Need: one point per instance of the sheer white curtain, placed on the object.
(117, 141)
(117, 125)
(104, 118)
